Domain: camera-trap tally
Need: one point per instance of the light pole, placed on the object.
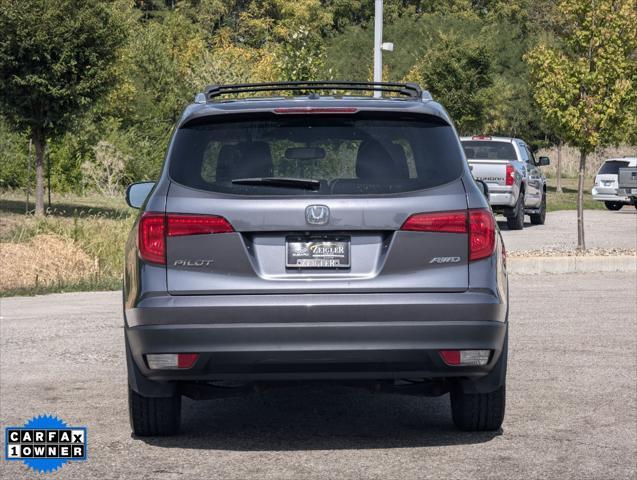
(378, 41)
(379, 45)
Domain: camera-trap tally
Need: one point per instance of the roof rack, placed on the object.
(407, 89)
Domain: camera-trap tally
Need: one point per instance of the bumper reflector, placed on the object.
(168, 361)
(465, 357)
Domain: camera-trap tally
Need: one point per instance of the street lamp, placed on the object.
(379, 45)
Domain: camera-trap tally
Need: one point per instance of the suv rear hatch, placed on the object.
(316, 204)
(607, 179)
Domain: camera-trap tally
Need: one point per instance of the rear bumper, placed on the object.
(502, 199)
(609, 197)
(297, 337)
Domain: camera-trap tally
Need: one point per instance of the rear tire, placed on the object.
(476, 412)
(154, 416)
(540, 218)
(614, 206)
(516, 222)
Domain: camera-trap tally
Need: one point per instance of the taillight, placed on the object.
(151, 238)
(446, 222)
(510, 175)
(478, 223)
(481, 234)
(179, 225)
(155, 227)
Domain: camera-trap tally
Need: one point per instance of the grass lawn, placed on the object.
(567, 200)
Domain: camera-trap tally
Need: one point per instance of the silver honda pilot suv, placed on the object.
(308, 231)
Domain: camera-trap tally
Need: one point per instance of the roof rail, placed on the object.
(406, 89)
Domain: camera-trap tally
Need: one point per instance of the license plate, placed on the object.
(317, 252)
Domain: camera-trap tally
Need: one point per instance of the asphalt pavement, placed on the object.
(602, 229)
(571, 412)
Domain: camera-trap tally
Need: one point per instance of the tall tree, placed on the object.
(54, 63)
(587, 82)
(458, 75)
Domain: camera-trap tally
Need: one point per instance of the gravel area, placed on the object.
(605, 230)
(589, 252)
(570, 409)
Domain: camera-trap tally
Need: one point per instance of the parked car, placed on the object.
(314, 237)
(607, 183)
(517, 187)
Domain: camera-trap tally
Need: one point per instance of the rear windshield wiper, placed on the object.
(307, 183)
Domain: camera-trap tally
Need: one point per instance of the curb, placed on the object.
(572, 264)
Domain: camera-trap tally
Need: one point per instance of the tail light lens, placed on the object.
(481, 234)
(151, 239)
(179, 225)
(478, 223)
(155, 227)
(510, 175)
(446, 222)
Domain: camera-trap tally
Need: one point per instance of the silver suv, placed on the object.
(325, 236)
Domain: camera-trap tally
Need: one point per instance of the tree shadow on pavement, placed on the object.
(306, 418)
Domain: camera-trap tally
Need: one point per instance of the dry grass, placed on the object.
(570, 159)
(44, 261)
(74, 247)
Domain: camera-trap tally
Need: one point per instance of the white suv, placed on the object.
(607, 182)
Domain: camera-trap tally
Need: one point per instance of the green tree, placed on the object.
(13, 157)
(587, 83)
(302, 57)
(54, 63)
(458, 75)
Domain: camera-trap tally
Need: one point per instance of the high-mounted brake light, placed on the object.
(480, 137)
(478, 223)
(155, 227)
(301, 110)
(509, 175)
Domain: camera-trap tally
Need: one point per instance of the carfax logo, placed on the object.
(45, 443)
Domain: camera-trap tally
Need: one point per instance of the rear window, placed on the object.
(612, 167)
(340, 155)
(481, 150)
